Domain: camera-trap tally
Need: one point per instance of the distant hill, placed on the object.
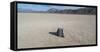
(77, 11)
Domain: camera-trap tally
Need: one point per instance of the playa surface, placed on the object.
(34, 28)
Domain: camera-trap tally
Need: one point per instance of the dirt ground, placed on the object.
(34, 28)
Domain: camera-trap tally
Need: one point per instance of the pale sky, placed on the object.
(39, 7)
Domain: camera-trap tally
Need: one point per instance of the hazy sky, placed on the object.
(37, 7)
